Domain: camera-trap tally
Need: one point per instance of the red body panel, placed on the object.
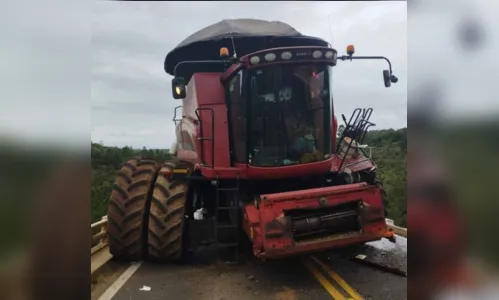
(204, 91)
(245, 171)
(257, 220)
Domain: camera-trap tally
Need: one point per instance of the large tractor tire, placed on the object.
(166, 218)
(128, 207)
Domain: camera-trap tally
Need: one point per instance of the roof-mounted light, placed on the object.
(270, 57)
(286, 55)
(350, 50)
(316, 54)
(254, 60)
(331, 55)
(224, 52)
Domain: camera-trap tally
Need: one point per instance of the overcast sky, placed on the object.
(131, 93)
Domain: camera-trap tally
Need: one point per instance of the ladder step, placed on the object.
(205, 139)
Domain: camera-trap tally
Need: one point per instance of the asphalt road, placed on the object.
(326, 275)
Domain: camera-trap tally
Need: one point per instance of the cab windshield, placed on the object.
(288, 115)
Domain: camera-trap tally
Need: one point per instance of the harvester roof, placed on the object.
(248, 35)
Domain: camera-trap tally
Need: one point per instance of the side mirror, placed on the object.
(178, 88)
(389, 78)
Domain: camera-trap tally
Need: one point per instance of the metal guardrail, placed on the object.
(398, 230)
(99, 234)
(100, 250)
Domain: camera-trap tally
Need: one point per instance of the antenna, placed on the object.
(330, 28)
(233, 46)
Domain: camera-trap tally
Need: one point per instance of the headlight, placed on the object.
(286, 55)
(335, 57)
(270, 57)
(316, 54)
(254, 60)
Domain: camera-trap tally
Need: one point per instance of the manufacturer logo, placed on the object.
(322, 201)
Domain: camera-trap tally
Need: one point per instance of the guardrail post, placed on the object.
(99, 252)
(398, 230)
(103, 230)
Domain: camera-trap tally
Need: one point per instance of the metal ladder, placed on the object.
(233, 225)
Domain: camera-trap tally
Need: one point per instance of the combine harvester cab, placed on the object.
(257, 150)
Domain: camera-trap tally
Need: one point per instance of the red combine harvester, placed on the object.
(256, 150)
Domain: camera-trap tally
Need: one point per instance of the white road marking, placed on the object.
(116, 286)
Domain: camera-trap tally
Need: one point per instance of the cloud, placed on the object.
(131, 94)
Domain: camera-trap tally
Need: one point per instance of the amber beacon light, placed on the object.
(224, 52)
(350, 50)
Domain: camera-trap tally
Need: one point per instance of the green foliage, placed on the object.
(106, 161)
(389, 153)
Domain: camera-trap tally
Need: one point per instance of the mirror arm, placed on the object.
(346, 57)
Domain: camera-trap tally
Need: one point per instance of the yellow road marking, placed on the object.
(353, 293)
(325, 283)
